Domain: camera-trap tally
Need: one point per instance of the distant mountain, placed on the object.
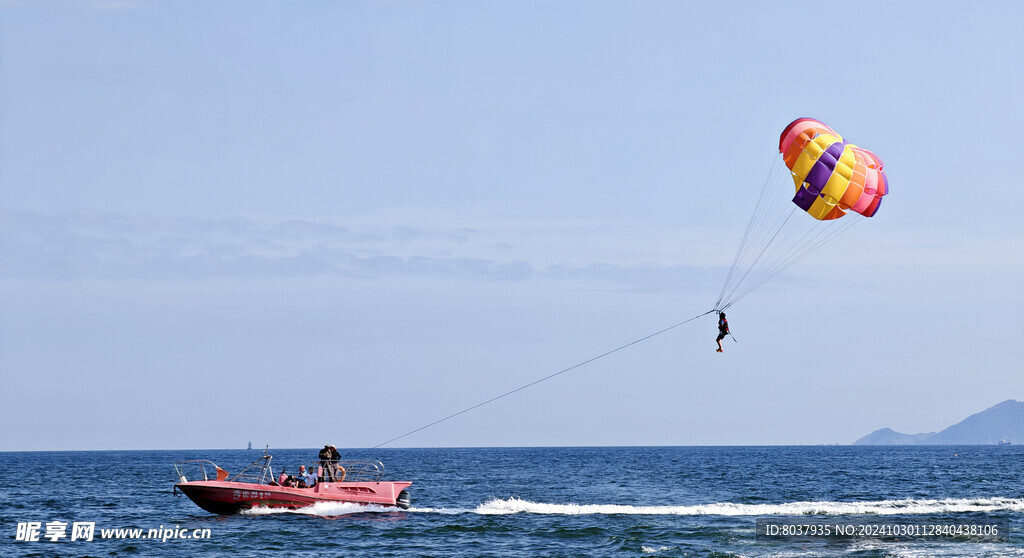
(1004, 421)
(889, 437)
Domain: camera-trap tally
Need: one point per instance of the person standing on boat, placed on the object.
(326, 462)
(337, 471)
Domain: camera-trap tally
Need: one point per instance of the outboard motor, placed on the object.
(403, 501)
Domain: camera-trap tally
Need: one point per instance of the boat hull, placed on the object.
(225, 497)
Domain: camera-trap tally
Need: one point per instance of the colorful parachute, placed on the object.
(832, 178)
(831, 175)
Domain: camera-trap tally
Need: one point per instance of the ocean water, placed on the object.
(621, 501)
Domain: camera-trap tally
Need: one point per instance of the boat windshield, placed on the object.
(257, 472)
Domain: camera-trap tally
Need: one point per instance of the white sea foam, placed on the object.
(880, 507)
(323, 509)
(515, 505)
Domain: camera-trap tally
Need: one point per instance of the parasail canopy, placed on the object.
(831, 175)
(833, 178)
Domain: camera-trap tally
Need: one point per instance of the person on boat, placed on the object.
(723, 330)
(329, 457)
(336, 468)
(309, 477)
(325, 461)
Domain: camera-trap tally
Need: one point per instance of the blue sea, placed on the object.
(588, 501)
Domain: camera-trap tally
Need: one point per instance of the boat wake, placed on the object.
(324, 509)
(515, 505)
(881, 507)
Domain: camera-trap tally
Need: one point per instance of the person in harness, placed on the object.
(723, 330)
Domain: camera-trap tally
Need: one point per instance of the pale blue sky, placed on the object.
(300, 223)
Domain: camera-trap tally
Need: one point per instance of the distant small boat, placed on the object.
(250, 445)
(216, 491)
(1004, 442)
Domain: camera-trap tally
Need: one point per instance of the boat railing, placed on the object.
(354, 471)
(196, 469)
(257, 472)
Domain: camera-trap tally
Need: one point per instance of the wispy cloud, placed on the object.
(113, 5)
(617, 256)
(125, 248)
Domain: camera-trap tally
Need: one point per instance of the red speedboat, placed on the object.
(216, 491)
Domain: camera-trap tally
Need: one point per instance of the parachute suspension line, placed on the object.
(754, 218)
(761, 219)
(774, 217)
(791, 259)
(548, 377)
(772, 252)
(764, 249)
(777, 237)
(767, 220)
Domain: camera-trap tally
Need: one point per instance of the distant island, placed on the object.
(1000, 424)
